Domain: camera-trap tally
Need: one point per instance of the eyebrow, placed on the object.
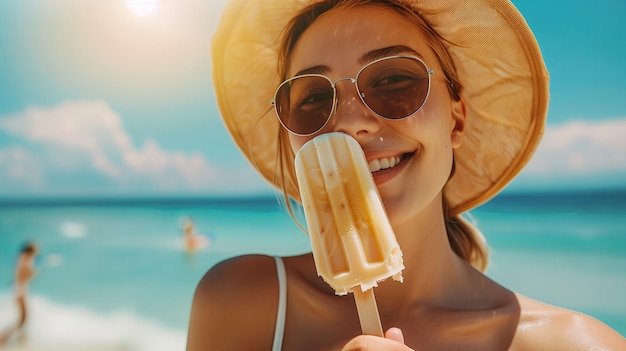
(365, 58)
(321, 69)
(386, 52)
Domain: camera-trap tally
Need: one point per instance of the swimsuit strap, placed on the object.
(282, 304)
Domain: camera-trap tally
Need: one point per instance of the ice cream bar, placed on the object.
(353, 244)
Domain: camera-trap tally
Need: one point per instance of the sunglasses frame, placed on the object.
(361, 94)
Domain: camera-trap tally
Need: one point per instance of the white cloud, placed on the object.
(83, 146)
(578, 155)
(86, 127)
(581, 147)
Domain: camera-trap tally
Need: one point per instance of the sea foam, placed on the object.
(52, 326)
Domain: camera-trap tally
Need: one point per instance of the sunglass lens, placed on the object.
(304, 104)
(394, 88)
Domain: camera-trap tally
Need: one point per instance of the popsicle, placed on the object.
(353, 244)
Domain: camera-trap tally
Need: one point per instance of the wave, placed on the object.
(51, 325)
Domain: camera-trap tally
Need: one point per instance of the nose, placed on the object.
(351, 115)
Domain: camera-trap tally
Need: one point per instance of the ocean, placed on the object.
(114, 274)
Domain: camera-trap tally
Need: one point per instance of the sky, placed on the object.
(114, 98)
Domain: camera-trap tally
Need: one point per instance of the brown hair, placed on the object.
(465, 240)
(29, 248)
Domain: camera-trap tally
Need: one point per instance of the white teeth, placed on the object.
(383, 163)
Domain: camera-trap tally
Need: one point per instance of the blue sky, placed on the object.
(98, 100)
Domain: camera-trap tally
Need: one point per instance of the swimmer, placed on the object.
(192, 240)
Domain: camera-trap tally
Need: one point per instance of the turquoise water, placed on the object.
(120, 266)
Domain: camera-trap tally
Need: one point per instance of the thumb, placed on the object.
(395, 334)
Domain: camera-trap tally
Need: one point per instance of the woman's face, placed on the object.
(336, 45)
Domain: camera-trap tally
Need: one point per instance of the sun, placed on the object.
(143, 7)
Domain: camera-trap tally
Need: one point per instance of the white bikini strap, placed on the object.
(282, 304)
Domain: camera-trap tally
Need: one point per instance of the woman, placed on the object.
(24, 272)
(468, 130)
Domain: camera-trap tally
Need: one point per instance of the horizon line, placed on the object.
(256, 199)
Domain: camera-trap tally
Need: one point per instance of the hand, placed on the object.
(393, 341)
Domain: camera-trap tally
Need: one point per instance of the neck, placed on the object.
(433, 273)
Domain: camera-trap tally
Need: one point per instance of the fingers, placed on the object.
(395, 334)
(393, 341)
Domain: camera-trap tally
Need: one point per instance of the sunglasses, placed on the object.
(393, 88)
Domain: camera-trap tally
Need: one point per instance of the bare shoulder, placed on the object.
(542, 327)
(234, 305)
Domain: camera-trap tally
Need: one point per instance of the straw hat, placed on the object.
(498, 62)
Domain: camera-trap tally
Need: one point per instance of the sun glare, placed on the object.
(143, 7)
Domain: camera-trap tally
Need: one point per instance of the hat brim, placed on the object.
(498, 62)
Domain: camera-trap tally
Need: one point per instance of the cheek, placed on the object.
(296, 142)
(435, 120)
(427, 126)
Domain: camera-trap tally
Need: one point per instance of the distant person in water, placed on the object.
(192, 240)
(24, 272)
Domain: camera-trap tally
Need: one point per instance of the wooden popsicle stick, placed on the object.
(368, 311)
